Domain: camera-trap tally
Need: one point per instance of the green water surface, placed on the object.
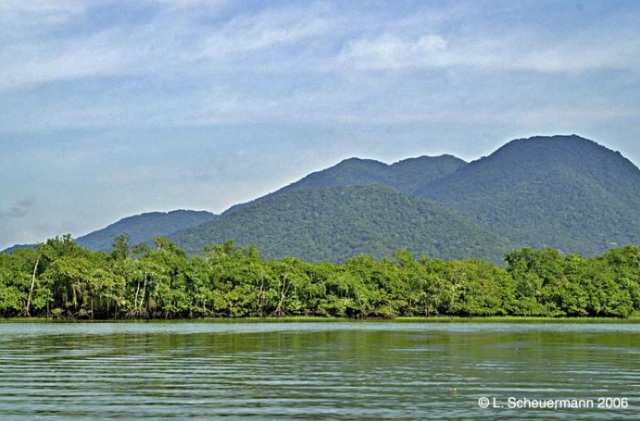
(316, 371)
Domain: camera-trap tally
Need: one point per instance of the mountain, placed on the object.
(564, 192)
(334, 223)
(143, 228)
(404, 176)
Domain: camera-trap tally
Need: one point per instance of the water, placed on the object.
(315, 371)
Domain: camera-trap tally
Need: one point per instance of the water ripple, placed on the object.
(370, 371)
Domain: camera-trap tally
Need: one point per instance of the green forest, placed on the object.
(333, 224)
(61, 279)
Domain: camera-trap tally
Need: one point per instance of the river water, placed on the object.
(318, 371)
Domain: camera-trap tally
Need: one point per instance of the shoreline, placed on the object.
(322, 319)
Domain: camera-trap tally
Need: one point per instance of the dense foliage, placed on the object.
(61, 279)
(335, 223)
(564, 192)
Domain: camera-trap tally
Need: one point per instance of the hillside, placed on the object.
(564, 192)
(405, 176)
(339, 222)
(143, 228)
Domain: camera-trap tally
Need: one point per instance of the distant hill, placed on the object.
(18, 247)
(405, 176)
(140, 228)
(143, 228)
(564, 192)
(334, 223)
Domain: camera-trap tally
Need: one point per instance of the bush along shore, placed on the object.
(60, 279)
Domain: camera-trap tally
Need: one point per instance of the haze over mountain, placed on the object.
(140, 228)
(564, 192)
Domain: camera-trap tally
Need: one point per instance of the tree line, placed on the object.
(61, 279)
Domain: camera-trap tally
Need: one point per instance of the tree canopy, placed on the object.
(62, 279)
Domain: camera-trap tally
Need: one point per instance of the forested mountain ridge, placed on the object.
(405, 176)
(335, 223)
(143, 228)
(564, 192)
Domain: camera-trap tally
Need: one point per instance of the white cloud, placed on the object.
(583, 54)
(32, 64)
(190, 39)
(390, 51)
(22, 18)
(263, 30)
(175, 39)
(614, 45)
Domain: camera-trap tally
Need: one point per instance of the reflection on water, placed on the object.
(365, 371)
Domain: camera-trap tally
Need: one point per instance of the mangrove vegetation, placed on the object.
(61, 279)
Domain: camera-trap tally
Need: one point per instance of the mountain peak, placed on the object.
(405, 175)
(550, 145)
(565, 192)
(360, 161)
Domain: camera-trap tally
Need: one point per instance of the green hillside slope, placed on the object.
(339, 222)
(564, 192)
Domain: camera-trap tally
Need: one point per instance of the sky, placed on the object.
(114, 108)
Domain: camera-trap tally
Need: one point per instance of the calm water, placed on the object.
(315, 371)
